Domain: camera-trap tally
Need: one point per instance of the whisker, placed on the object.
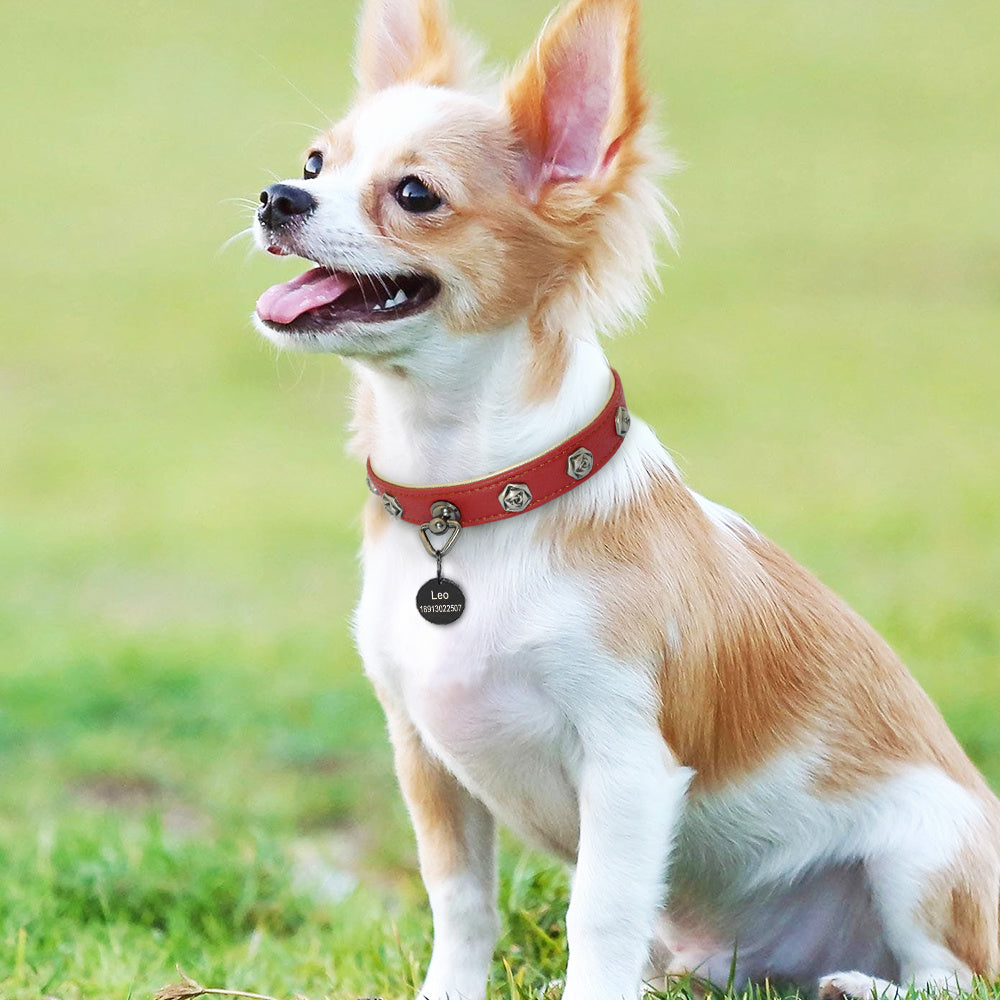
(306, 125)
(298, 90)
(373, 276)
(232, 239)
(357, 278)
(385, 288)
(358, 275)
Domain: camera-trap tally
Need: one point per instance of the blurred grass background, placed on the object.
(194, 769)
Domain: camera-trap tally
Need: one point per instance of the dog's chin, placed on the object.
(350, 339)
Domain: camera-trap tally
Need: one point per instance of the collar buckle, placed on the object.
(445, 517)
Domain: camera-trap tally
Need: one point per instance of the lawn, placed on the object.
(195, 771)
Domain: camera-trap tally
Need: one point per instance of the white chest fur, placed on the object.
(488, 694)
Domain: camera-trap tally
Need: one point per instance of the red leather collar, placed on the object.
(522, 487)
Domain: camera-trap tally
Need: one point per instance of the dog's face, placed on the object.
(409, 209)
(431, 211)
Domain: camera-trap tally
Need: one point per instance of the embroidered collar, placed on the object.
(517, 489)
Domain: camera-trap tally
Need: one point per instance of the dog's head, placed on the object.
(437, 210)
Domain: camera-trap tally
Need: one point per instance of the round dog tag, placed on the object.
(440, 601)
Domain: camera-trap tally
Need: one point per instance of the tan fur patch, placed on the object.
(972, 935)
(755, 655)
(873, 716)
(962, 906)
(549, 359)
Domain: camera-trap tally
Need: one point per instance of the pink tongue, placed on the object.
(285, 303)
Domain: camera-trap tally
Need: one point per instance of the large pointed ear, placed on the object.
(576, 100)
(406, 41)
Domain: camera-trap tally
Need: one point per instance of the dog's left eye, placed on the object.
(414, 195)
(314, 164)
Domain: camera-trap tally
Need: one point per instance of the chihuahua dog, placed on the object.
(566, 638)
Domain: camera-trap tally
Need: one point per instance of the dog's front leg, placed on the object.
(631, 796)
(456, 847)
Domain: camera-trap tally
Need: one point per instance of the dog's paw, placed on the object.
(856, 986)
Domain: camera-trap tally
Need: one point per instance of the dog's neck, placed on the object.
(471, 414)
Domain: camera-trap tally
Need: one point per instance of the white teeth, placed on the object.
(397, 300)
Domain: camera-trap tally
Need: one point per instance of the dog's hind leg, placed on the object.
(943, 927)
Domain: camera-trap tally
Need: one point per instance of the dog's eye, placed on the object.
(314, 164)
(414, 195)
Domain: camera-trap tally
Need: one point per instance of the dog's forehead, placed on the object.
(404, 117)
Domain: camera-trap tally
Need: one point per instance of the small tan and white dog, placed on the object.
(739, 770)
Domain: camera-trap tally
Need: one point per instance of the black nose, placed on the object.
(281, 202)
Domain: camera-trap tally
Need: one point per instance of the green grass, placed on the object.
(191, 759)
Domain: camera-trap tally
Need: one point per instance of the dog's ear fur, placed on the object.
(407, 41)
(576, 101)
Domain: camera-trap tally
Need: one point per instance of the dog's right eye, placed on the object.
(413, 195)
(314, 164)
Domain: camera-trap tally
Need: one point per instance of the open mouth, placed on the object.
(323, 298)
